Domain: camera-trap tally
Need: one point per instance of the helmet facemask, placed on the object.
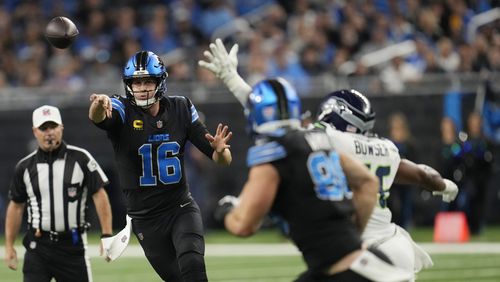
(144, 103)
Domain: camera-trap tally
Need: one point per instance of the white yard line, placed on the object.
(284, 249)
(463, 248)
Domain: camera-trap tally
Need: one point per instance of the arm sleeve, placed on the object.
(17, 191)
(117, 118)
(95, 178)
(197, 130)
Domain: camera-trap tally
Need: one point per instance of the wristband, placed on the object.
(106, 235)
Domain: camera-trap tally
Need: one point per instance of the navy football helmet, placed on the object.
(145, 64)
(272, 106)
(347, 110)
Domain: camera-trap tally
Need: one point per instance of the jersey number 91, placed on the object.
(328, 177)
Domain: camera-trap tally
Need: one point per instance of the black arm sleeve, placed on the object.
(197, 133)
(111, 124)
(197, 130)
(117, 119)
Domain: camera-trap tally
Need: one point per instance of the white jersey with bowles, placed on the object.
(381, 156)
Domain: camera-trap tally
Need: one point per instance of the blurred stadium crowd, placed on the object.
(294, 39)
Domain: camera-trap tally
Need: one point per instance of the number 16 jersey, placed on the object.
(149, 152)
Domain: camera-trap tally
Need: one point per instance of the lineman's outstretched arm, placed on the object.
(224, 66)
(255, 201)
(426, 177)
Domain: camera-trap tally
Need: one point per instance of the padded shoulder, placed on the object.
(265, 153)
(119, 106)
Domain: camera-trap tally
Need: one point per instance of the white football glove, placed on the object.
(233, 200)
(224, 65)
(224, 206)
(450, 191)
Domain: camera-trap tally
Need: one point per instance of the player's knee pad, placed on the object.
(190, 253)
(190, 242)
(192, 266)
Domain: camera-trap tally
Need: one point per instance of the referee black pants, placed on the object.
(46, 259)
(173, 243)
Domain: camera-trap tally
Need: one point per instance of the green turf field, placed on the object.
(276, 269)
(420, 234)
(448, 267)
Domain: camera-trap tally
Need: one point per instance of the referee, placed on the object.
(55, 182)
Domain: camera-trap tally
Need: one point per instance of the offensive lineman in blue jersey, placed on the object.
(298, 175)
(149, 131)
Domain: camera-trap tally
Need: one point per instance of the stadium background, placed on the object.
(318, 45)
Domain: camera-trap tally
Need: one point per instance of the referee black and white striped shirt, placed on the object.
(56, 186)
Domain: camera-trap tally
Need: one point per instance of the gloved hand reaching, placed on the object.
(450, 191)
(224, 206)
(224, 66)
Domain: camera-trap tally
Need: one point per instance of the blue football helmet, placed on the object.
(272, 106)
(145, 64)
(347, 110)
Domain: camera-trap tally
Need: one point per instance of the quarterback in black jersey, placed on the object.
(297, 174)
(149, 131)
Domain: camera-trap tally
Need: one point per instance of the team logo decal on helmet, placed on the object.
(145, 64)
(347, 110)
(272, 106)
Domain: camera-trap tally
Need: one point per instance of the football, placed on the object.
(60, 32)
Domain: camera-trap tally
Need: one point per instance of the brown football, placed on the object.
(60, 32)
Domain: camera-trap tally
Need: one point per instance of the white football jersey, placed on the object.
(381, 156)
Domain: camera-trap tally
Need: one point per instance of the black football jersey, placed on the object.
(313, 195)
(149, 152)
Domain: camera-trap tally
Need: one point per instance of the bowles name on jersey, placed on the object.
(370, 149)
